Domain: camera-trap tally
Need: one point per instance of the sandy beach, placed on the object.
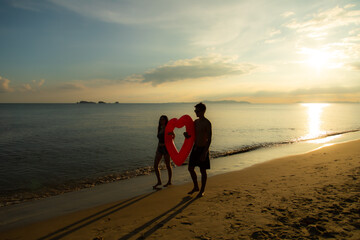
(309, 196)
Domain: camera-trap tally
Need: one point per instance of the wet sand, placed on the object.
(311, 196)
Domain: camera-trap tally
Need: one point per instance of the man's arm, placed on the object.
(209, 135)
(186, 134)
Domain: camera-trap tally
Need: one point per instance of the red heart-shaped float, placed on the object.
(180, 157)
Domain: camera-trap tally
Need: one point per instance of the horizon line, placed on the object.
(190, 102)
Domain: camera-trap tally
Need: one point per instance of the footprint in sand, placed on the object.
(98, 238)
(308, 221)
(186, 223)
(262, 235)
(229, 215)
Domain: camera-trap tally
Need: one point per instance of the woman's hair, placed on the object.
(166, 121)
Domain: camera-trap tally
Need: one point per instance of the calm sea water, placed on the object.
(44, 145)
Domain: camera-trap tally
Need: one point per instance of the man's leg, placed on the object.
(203, 181)
(194, 179)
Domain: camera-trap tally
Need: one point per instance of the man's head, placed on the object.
(200, 109)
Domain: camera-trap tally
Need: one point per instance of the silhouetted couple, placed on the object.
(199, 155)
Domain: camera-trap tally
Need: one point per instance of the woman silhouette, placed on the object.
(162, 151)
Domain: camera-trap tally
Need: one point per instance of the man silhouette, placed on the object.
(200, 153)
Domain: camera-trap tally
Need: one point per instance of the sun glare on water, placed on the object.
(314, 111)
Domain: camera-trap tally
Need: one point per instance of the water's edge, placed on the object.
(23, 195)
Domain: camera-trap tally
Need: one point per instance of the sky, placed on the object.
(279, 51)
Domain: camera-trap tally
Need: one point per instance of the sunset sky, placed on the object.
(179, 51)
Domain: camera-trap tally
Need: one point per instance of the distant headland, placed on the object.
(227, 101)
(100, 102)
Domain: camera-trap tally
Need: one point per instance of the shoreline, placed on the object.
(309, 195)
(40, 209)
(176, 190)
(19, 197)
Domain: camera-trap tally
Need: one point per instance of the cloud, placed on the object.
(33, 86)
(328, 19)
(29, 5)
(287, 14)
(273, 36)
(5, 85)
(71, 86)
(134, 78)
(26, 87)
(196, 68)
(316, 94)
(329, 90)
(41, 82)
(274, 32)
(349, 6)
(161, 13)
(333, 33)
(205, 23)
(122, 12)
(354, 66)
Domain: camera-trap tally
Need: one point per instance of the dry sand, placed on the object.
(309, 196)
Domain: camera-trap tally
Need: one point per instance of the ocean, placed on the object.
(46, 149)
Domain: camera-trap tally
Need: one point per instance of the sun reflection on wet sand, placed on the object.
(314, 111)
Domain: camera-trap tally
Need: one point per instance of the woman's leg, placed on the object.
(156, 168)
(169, 169)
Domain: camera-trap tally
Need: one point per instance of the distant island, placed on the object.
(86, 102)
(205, 101)
(99, 102)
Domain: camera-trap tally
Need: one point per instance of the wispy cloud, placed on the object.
(39, 83)
(274, 32)
(195, 68)
(328, 90)
(325, 20)
(123, 12)
(159, 13)
(5, 85)
(273, 36)
(30, 5)
(33, 86)
(334, 93)
(205, 23)
(71, 86)
(332, 33)
(287, 14)
(354, 66)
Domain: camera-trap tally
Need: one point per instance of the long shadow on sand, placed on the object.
(92, 218)
(185, 202)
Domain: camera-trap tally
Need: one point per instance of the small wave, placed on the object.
(249, 148)
(22, 195)
(328, 134)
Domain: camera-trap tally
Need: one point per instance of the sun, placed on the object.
(318, 59)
